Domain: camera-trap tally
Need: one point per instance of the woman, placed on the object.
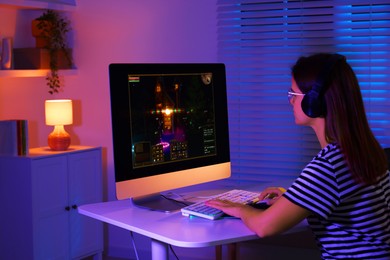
(344, 192)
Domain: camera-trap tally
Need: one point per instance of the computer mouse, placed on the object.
(262, 204)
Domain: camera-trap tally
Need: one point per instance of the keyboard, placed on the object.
(199, 209)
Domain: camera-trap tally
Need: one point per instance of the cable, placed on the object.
(134, 246)
(136, 252)
(173, 252)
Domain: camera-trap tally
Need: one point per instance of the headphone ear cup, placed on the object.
(313, 105)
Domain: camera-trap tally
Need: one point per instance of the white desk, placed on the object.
(171, 228)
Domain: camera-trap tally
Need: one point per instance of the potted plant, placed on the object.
(50, 30)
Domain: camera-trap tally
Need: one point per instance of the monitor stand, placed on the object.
(158, 202)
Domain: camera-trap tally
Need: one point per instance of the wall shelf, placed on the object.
(60, 5)
(33, 73)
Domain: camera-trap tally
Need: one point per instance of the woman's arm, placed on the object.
(281, 216)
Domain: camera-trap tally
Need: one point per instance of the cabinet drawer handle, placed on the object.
(67, 208)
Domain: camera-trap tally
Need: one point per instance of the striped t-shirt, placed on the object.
(349, 220)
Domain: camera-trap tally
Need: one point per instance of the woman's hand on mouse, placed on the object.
(271, 194)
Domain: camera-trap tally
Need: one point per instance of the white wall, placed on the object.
(106, 32)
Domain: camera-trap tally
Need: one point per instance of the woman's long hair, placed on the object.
(345, 116)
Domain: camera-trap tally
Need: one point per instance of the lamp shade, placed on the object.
(58, 112)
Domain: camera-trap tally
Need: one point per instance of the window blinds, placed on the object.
(259, 41)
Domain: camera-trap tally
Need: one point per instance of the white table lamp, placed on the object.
(59, 112)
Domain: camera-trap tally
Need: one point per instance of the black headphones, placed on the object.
(313, 103)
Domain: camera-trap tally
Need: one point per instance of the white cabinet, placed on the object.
(39, 194)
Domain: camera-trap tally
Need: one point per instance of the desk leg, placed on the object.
(159, 250)
(232, 252)
(218, 252)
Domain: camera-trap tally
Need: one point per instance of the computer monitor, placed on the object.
(170, 129)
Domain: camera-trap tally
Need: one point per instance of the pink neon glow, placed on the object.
(164, 144)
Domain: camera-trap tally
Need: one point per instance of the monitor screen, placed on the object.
(170, 126)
